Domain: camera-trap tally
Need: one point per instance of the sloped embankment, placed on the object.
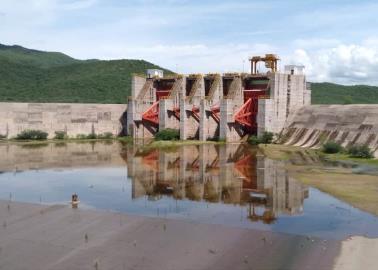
(312, 126)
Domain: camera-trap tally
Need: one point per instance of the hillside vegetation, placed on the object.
(329, 93)
(36, 76)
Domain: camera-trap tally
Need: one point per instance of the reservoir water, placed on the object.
(230, 184)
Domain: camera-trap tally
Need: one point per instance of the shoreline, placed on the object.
(359, 190)
(143, 144)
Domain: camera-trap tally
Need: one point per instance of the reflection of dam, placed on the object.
(229, 174)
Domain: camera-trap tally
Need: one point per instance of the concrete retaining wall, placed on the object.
(50, 117)
(312, 126)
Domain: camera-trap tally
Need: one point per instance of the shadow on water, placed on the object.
(228, 184)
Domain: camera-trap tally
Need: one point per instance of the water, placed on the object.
(229, 184)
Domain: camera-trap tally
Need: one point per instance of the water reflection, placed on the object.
(229, 174)
(219, 184)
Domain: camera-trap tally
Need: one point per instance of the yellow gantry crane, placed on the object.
(271, 61)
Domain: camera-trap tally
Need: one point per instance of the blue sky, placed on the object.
(337, 40)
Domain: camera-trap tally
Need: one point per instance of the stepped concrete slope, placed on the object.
(72, 118)
(312, 126)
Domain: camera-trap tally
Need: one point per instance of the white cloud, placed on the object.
(344, 63)
(201, 36)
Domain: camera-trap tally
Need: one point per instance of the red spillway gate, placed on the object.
(152, 114)
(246, 115)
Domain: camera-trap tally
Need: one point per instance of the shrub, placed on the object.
(265, 138)
(360, 151)
(32, 134)
(254, 140)
(2, 137)
(81, 136)
(167, 135)
(60, 135)
(91, 136)
(332, 147)
(106, 135)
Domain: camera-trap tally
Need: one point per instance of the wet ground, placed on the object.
(226, 205)
(58, 237)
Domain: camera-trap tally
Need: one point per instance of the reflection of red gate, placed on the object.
(151, 160)
(247, 114)
(246, 167)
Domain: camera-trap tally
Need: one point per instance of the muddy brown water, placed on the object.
(230, 184)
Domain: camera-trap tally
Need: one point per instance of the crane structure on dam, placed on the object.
(226, 106)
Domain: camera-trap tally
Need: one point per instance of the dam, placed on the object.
(227, 106)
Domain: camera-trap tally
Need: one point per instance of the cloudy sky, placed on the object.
(337, 40)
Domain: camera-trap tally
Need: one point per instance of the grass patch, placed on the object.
(360, 151)
(361, 191)
(127, 139)
(167, 135)
(265, 138)
(282, 152)
(346, 157)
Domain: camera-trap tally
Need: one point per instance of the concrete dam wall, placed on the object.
(312, 126)
(72, 118)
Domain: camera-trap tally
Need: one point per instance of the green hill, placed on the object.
(21, 55)
(329, 93)
(36, 76)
